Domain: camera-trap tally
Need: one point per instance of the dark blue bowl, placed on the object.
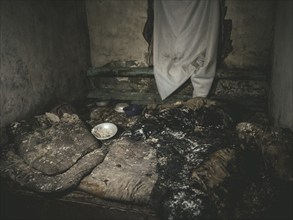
(132, 109)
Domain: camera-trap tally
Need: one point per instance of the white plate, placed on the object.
(104, 131)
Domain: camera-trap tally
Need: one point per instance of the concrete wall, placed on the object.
(115, 28)
(252, 33)
(44, 55)
(281, 95)
(116, 31)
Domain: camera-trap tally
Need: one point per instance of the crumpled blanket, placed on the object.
(189, 138)
(128, 173)
(51, 144)
(183, 158)
(50, 153)
(15, 168)
(167, 159)
(274, 145)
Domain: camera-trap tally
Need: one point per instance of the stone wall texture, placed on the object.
(44, 55)
(252, 33)
(281, 93)
(115, 29)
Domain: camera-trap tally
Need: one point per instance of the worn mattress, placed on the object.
(183, 159)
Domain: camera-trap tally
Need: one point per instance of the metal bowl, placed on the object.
(104, 131)
(119, 107)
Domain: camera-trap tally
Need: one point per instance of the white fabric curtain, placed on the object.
(186, 36)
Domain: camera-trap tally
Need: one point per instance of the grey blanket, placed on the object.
(51, 154)
(127, 174)
(52, 145)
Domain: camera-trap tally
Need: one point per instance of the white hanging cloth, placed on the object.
(186, 36)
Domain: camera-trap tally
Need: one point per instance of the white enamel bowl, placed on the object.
(104, 131)
(119, 107)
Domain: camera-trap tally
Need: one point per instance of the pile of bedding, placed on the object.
(175, 158)
(195, 146)
(128, 173)
(187, 160)
(50, 154)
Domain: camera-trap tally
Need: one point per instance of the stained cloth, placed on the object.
(185, 44)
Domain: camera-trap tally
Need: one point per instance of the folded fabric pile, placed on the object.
(50, 154)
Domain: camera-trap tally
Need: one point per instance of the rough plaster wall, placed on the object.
(44, 55)
(281, 95)
(252, 33)
(116, 31)
(115, 28)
